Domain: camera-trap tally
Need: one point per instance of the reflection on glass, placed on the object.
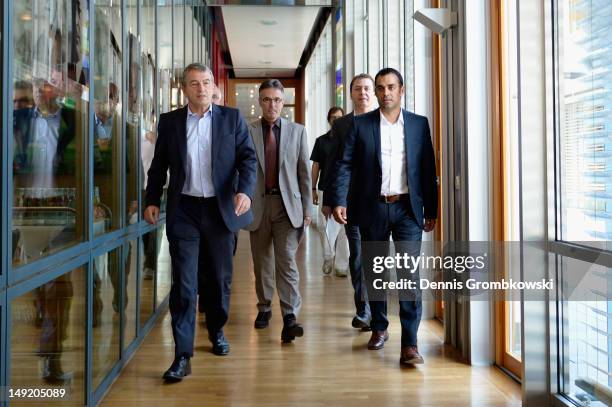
(48, 337)
(107, 117)
(148, 120)
(339, 69)
(147, 274)
(514, 329)
(587, 337)
(106, 300)
(247, 101)
(585, 82)
(179, 60)
(288, 113)
(584, 105)
(289, 96)
(49, 126)
(189, 21)
(164, 271)
(131, 274)
(134, 109)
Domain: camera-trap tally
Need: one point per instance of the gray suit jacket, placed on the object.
(293, 174)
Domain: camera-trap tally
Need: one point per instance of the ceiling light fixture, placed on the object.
(268, 22)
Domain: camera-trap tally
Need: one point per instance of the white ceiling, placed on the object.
(267, 41)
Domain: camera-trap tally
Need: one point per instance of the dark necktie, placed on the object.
(270, 151)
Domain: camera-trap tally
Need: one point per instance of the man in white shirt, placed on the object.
(389, 155)
(212, 167)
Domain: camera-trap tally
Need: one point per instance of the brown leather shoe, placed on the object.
(410, 356)
(378, 339)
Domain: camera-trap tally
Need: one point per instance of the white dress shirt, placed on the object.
(393, 157)
(198, 168)
(44, 148)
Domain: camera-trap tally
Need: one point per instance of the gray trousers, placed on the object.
(273, 247)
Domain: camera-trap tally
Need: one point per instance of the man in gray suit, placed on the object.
(281, 209)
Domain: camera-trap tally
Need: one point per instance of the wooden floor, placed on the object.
(330, 366)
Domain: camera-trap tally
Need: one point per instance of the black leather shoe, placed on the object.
(221, 346)
(263, 319)
(180, 368)
(362, 323)
(291, 329)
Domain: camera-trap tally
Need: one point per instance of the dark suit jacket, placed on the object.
(23, 133)
(234, 163)
(339, 130)
(361, 164)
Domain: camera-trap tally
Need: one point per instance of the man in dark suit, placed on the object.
(389, 151)
(212, 167)
(362, 96)
(44, 135)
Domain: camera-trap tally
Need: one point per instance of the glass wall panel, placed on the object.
(374, 36)
(134, 110)
(512, 342)
(131, 261)
(50, 127)
(394, 34)
(587, 343)
(319, 86)
(148, 120)
(178, 42)
(339, 68)
(246, 100)
(107, 68)
(584, 182)
(164, 24)
(164, 269)
(585, 83)
(48, 338)
(149, 249)
(188, 33)
(408, 54)
(106, 307)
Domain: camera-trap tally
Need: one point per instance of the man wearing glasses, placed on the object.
(281, 209)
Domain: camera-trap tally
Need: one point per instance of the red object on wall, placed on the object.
(218, 65)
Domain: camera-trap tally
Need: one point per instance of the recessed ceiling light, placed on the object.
(237, 94)
(268, 22)
(266, 45)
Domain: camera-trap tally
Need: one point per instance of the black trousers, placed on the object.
(197, 234)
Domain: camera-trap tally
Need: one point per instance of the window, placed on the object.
(584, 182)
(50, 127)
(107, 118)
(47, 338)
(512, 313)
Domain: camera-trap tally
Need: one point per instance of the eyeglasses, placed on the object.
(268, 100)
